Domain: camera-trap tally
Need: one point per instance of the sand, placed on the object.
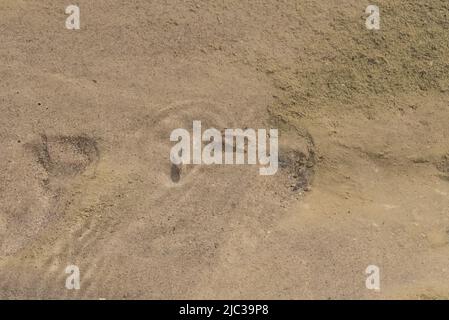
(85, 176)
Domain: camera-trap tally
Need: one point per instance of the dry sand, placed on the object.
(85, 177)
